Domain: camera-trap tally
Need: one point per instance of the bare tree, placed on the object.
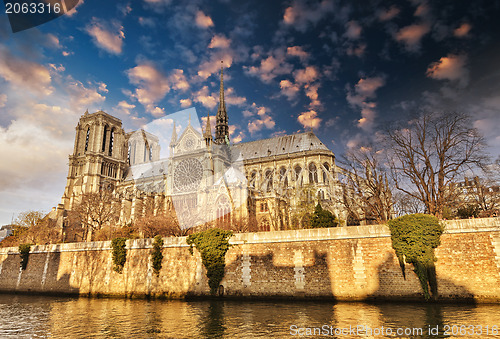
(96, 210)
(430, 152)
(366, 191)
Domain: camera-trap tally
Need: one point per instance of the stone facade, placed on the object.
(343, 263)
(262, 183)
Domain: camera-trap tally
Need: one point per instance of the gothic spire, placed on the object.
(173, 141)
(221, 127)
(208, 128)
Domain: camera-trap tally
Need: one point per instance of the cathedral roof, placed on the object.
(280, 145)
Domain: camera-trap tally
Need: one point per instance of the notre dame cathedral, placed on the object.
(204, 178)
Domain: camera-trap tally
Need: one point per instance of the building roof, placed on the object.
(280, 145)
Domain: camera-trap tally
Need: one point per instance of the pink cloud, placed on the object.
(309, 119)
(206, 99)
(152, 86)
(300, 15)
(451, 67)
(232, 99)
(298, 52)
(361, 97)
(81, 96)
(270, 67)
(289, 89)
(25, 74)
(463, 30)
(307, 75)
(107, 38)
(264, 120)
(178, 80)
(186, 103)
(125, 107)
(386, 15)
(203, 21)
(353, 30)
(411, 36)
(213, 64)
(219, 41)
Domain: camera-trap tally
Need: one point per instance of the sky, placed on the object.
(343, 68)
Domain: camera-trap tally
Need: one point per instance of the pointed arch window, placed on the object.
(283, 177)
(87, 139)
(269, 180)
(313, 173)
(111, 139)
(104, 138)
(298, 174)
(326, 172)
(253, 178)
(223, 211)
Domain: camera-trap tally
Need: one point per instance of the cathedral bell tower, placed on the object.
(221, 127)
(99, 158)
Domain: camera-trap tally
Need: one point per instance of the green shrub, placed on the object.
(212, 245)
(414, 238)
(24, 251)
(156, 254)
(323, 218)
(119, 254)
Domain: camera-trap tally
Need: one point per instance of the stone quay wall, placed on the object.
(344, 263)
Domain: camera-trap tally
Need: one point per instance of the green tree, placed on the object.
(414, 238)
(212, 245)
(323, 218)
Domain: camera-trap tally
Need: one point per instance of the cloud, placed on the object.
(3, 100)
(202, 20)
(309, 119)
(411, 36)
(219, 41)
(298, 52)
(353, 30)
(108, 37)
(82, 97)
(260, 118)
(289, 89)
(306, 75)
(360, 97)
(26, 75)
(146, 22)
(185, 103)
(35, 156)
(206, 99)
(231, 98)
(388, 14)
(300, 15)
(178, 80)
(211, 66)
(152, 86)
(125, 107)
(312, 93)
(270, 67)
(463, 30)
(451, 67)
(356, 50)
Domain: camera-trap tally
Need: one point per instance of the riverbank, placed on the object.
(344, 264)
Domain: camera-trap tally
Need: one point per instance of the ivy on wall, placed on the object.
(212, 245)
(119, 254)
(156, 254)
(24, 251)
(414, 238)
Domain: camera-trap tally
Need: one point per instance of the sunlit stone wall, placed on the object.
(344, 263)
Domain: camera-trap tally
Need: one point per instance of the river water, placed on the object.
(23, 316)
